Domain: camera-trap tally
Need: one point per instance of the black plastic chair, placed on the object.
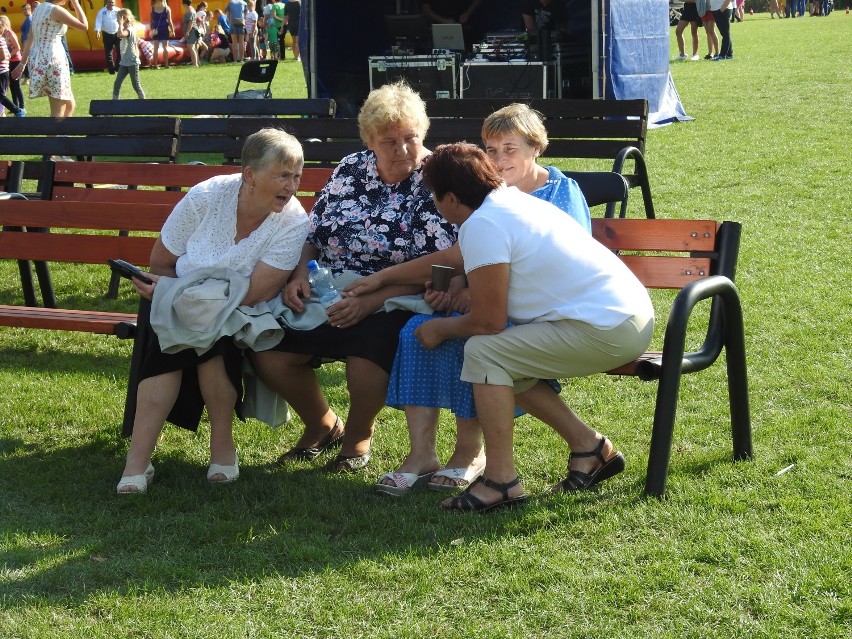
(256, 72)
(603, 187)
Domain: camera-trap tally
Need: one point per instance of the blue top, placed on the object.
(564, 193)
(25, 29)
(226, 26)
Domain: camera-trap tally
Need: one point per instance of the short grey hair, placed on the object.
(271, 146)
(517, 119)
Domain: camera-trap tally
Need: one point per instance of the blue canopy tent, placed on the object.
(625, 45)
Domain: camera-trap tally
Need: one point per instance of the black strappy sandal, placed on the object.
(332, 440)
(578, 480)
(465, 502)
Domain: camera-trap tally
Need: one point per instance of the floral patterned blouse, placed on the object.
(362, 224)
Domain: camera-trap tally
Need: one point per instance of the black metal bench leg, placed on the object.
(737, 378)
(115, 278)
(140, 345)
(662, 433)
(27, 284)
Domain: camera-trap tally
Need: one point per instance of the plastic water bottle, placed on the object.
(322, 282)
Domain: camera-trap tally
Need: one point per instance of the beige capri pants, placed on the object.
(522, 355)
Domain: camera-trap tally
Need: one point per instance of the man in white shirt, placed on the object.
(107, 22)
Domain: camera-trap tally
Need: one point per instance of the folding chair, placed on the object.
(257, 72)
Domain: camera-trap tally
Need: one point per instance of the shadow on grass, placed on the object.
(66, 535)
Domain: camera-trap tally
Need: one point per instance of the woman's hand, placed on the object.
(18, 71)
(461, 301)
(429, 335)
(439, 300)
(145, 290)
(297, 289)
(369, 284)
(349, 311)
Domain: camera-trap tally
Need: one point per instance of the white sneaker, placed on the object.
(695, 58)
(681, 57)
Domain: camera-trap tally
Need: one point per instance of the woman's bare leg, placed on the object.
(155, 397)
(220, 397)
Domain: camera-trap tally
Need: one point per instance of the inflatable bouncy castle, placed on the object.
(87, 52)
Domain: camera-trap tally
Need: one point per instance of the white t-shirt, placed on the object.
(557, 270)
(251, 21)
(202, 227)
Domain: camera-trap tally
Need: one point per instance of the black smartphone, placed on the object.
(126, 269)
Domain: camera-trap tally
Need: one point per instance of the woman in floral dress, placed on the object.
(374, 212)
(45, 55)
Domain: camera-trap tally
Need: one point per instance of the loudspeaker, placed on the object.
(510, 80)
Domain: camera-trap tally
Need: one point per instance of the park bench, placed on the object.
(85, 204)
(124, 183)
(154, 139)
(139, 139)
(698, 258)
(204, 121)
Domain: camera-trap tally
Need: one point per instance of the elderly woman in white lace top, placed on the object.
(250, 223)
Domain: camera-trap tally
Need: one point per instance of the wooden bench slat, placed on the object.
(165, 175)
(116, 195)
(63, 319)
(323, 107)
(667, 272)
(84, 249)
(655, 235)
(80, 215)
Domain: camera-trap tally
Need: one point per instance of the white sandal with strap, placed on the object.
(139, 483)
(230, 473)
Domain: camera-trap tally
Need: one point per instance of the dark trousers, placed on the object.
(15, 86)
(110, 46)
(723, 21)
(4, 86)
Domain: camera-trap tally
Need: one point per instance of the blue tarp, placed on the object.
(636, 52)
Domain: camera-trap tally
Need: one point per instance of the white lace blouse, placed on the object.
(202, 227)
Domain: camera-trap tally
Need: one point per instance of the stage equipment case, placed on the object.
(432, 76)
(520, 80)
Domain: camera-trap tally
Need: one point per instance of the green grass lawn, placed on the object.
(734, 550)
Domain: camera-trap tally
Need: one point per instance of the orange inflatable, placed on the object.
(87, 52)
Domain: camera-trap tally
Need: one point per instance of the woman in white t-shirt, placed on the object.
(250, 223)
(575, 310)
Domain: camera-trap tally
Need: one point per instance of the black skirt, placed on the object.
(375, 339)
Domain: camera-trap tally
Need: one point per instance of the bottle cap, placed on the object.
(312, 265)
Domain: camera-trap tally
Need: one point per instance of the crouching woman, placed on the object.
(575, 310)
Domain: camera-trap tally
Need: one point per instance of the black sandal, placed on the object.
(578, 480)
(351, 463)
(332, 440)
(465, 502)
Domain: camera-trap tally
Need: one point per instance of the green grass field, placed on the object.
(734, 550)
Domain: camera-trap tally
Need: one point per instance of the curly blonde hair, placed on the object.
(395, 104)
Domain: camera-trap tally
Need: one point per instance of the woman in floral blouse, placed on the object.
(373, 213)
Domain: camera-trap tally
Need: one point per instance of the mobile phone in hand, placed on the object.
(126, 269)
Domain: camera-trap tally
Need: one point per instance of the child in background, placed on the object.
(26, 25)
(251, 31)
(261, 42)
(4, 80)
(14, 60)
(129, 62)
(272, 47)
